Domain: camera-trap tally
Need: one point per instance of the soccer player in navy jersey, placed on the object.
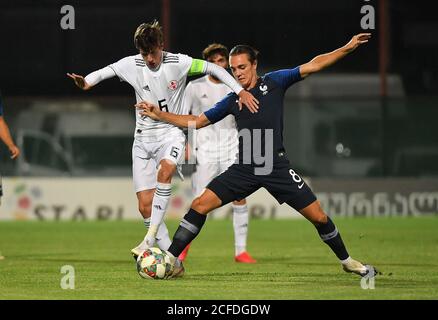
(249, 173)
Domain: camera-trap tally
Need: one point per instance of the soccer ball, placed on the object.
(154, 263)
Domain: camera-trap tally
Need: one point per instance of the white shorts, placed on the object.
(146, 157)
(206, 172)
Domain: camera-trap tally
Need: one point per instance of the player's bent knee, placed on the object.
(165, 172)
(200, 206)
(315, 214)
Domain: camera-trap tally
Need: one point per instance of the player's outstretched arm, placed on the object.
(325, 60)
(183, 121)
(93, 78)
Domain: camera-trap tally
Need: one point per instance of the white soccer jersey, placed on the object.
(163, 87)
(217, 142)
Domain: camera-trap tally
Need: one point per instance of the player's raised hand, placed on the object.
(357, 40)
(79, 81)
(247, 99)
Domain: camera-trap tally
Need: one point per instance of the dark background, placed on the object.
(393, 135)
(36, 53)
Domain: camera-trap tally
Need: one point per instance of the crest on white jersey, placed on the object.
(173, 85)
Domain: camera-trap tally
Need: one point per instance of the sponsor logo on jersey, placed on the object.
(146, 88)
(204, 96)
(173, 85)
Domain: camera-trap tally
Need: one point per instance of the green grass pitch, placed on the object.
(293, 263)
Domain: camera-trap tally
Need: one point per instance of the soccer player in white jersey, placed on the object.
(158, 76)
(216, 145)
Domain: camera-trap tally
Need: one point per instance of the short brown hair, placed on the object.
(215, 48)
(148, 36)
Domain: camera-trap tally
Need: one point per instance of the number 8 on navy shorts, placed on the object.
(283, 183)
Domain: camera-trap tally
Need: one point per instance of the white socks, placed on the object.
(346, 261)
(157, 230)
(240, 224)
(160, 202)
(159, 206)
(162, 237)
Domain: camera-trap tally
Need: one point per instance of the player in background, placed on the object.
(247, 176)
(5, 136)
(158, 76)
(216, 145)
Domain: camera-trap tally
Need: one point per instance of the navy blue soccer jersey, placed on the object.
(269, 90)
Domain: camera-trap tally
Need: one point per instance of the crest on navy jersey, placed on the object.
(263, 88)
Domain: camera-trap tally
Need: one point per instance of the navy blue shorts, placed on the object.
(283, 183)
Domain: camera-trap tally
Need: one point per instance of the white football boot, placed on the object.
(144, 245)
(358, 268)
(137, 251)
